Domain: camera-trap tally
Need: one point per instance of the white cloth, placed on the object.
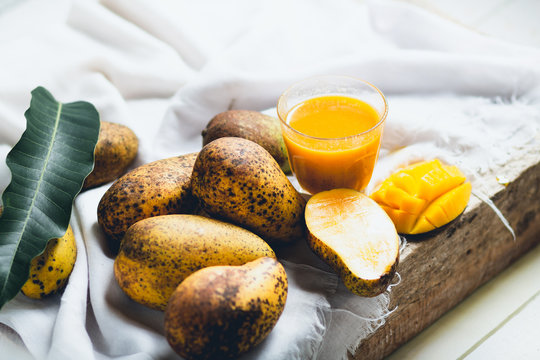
(165, 67)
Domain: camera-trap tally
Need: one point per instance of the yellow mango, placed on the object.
(423, 196)
(50, 271)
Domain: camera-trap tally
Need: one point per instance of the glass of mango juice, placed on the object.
(332, 127)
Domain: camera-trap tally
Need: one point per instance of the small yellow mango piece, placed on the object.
(423, 196)
(399, 199)
(438, 181)
(444, 209)
(419, 169)
(405, 181)
(403, 221)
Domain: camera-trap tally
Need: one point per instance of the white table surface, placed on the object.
(499, 320)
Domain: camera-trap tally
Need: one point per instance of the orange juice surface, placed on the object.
(341, 145)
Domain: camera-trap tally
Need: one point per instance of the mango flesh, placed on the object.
(158, 188)
(49, 272)
(158, 253)
(221, 312)
(353, 235)
(262, 129)
(115, 150)
(237, 180)
(423, 196)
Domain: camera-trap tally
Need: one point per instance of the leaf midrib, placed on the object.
(26, 221)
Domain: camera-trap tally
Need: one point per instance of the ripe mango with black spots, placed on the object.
(158, 188)
(423, 196)
(238, 181)
(158, 253)
(115, 150)
(221, 312)
(263, 129)
(50, 271)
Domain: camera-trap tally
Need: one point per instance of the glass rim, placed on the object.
(373, 87)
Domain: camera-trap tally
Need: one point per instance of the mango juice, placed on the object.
(333, 142)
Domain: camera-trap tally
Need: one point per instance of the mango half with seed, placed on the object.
(353, 235)
(423, 196)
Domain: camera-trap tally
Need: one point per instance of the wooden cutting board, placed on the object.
(441, 269)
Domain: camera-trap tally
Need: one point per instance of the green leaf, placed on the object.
(48, 166)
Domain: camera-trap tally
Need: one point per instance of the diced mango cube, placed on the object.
(434, 215)
(422, 225)
(436, 182)
(379, 195)
(452, 203)
(454, 172)
(405, 181)
(420, 168)
(399, 199)
(403, 221)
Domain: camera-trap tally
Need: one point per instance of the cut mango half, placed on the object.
(355, 236)
(423, 196)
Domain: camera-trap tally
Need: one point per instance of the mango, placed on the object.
(238, 181)
(423, 196)
(158, 188)
(221, 312)
(354, 235)
(50, 271)
(158, 253)
(115, 150)
(263, 129)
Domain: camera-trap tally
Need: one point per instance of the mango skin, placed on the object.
(157, 188)
(158, 253)
(115, 150)
(50, 271)
(263, 129)
(221, 312)
(237, 180)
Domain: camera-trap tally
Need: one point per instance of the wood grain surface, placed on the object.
(441, 269)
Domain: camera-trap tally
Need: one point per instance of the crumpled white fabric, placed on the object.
(165, 67)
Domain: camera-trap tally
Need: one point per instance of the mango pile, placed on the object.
(193, 234)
